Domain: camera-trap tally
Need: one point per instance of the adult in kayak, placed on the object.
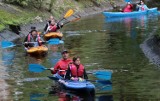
(142, 6)
(128, 7)
(76, 70)
(62, 65)
(52, 26)
(33, 39)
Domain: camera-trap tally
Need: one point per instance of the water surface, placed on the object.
(112, 44)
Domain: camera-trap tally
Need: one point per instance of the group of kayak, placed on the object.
(34, 42)
(139, 7)
(129, 11)
(70, 74)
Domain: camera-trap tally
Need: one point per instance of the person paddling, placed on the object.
(32, 39)
(52, 26)
(62, 64)
(76, 70)
(128, 7)
(142, 6)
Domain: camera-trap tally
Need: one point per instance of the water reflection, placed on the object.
(35, 97)
(8, 56)
(131, 25)
(54, 54)
(105, 98)
(73, 96)
(106, 86)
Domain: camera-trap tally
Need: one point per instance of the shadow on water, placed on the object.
(54, 54)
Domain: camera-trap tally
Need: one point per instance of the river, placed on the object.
(101, 43)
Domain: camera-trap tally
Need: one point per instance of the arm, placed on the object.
(67, 76)
(59, 26)
(85, 74)
(46, 27)
(55, 68)
(26, 38)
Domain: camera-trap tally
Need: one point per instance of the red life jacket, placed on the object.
(142, 8)
(77, 72)
(52, 28)
(30, 38)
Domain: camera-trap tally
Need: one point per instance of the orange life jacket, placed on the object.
(77, 72)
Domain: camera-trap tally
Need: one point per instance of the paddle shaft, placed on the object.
(68, 14)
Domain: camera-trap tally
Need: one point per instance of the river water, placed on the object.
(110, 44)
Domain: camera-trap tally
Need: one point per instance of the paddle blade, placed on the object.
(127, 0)
(54, 41)
(37, 68)
(7, 44)
(61, 42)
(69, 13)
(105, 75)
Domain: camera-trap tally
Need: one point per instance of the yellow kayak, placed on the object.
(39, 50)
(50, 35)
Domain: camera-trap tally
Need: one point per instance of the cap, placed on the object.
(64, 51)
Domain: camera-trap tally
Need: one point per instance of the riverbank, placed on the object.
(39, 19)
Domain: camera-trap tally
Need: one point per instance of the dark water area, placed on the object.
(110, 44)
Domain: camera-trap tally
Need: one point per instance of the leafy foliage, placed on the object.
(18, 2)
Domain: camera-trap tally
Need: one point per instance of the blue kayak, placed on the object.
(78, 86)
(127, 14)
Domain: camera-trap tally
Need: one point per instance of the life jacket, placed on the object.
(77, 72)
(52, 28)
(31, 39)
(142, 8)
(128, 8)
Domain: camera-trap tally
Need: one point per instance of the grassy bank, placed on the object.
(16, 15)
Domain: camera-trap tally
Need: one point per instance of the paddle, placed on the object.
(105, 75)
(102, 74)
(127, 0)
(104, 82)
(73, 20)
(8, 44)
(68, 14)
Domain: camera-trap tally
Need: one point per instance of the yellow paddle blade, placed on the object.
(69, 13)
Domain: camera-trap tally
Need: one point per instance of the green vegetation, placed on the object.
(26, 10)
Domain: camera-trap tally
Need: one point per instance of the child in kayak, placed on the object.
(33, 39)
(128, 7)
(76, 70)
(52, 26)
(142, 6)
